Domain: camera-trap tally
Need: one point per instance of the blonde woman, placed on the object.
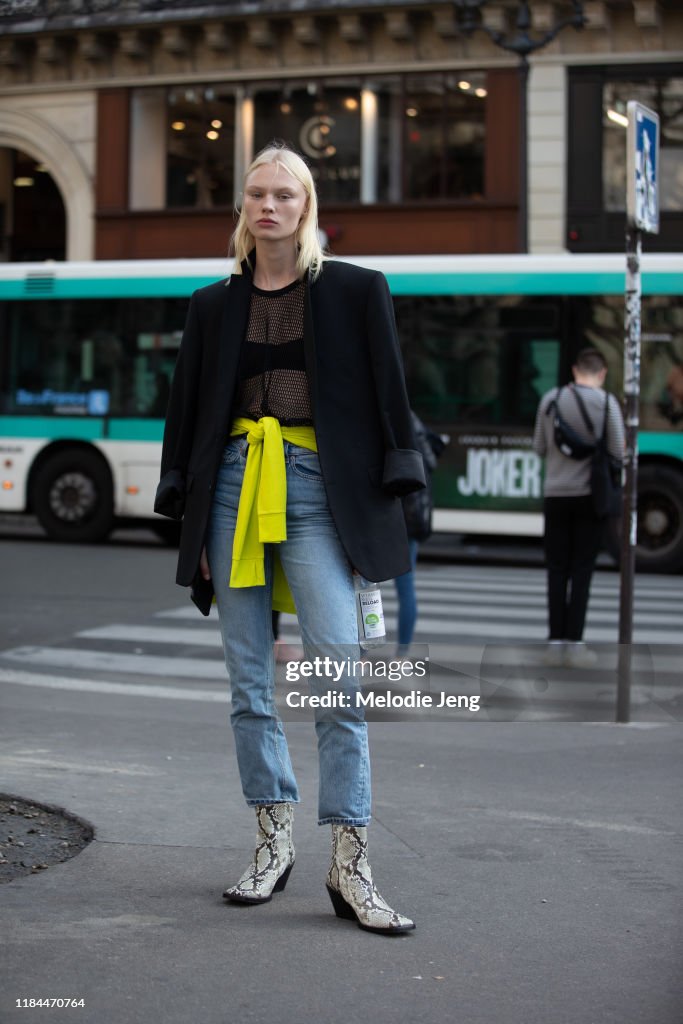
(288, 444)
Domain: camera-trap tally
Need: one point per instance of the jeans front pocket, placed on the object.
(306, 464)
(233, 450)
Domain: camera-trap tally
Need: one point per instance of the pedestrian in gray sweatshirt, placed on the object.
(573, 532)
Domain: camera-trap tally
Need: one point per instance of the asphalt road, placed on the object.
(541, 860)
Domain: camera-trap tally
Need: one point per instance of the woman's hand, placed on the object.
(204, 565)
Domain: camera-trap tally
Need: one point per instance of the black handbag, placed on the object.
(605, 469)
(419, 505)
(567, 440)
(417, 509)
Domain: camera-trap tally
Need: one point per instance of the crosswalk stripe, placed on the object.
(503, 624)
(537, 577)
(479, 593)
(535, 602)
(154, 635)
(597, 613)
(496, 629)
(454, 575)
(460, 613)
(539, 588)
(466, 658)
(561, 693)
(205, 668)
(20, 678)
(109, 661)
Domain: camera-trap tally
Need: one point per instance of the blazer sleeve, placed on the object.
(403, 464)
(180, 420)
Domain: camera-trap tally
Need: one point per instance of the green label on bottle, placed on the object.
(372, 615)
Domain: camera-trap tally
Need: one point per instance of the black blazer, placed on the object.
(362, 421)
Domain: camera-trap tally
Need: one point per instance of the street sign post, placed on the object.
(642, 214)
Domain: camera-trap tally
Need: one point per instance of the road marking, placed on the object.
(442, 597)
(19, 678)
(108, 661)
(518, 628)
(536, 705)
(493, 630)
(154, 635)
(429, 624)
(497, 627)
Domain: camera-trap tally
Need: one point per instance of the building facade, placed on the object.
(125, 127)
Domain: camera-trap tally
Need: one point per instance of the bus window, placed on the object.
(599, 322)
(109, 358)
(661, 394)
(474, 361)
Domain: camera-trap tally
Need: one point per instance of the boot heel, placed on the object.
(341, 907)
(352, 891)
(282, 880)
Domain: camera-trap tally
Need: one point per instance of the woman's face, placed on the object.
(274, 203)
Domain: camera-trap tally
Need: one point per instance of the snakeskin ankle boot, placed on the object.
(351, 888)
(273, 858)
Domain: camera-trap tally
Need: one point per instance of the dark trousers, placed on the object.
(573, 538)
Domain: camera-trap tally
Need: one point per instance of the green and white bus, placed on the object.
(87, 351)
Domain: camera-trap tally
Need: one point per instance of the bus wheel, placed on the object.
(73, 496)
(660, 519)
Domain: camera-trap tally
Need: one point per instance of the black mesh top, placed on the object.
(272, 371)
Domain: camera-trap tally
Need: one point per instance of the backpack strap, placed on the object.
(587, 420)
(604, 421)
(552, 406)
(584, 413)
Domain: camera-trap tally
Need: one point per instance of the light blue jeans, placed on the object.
(321, 582)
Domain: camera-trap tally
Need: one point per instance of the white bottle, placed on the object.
(371, 631)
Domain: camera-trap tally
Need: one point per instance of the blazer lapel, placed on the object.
(309, 351)
(232, 330)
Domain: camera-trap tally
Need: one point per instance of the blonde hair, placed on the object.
(310, 256)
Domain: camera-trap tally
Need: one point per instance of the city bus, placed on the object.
(87, 351)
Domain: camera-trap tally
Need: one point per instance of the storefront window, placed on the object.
(444, 131)
(373, 140)
(200, 134)
(323, 123)
(665, 97)
(432, 133)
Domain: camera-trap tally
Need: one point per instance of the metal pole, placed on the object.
(629, 523)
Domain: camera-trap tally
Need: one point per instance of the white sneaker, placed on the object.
(577, 655)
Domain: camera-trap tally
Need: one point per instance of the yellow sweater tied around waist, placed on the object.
(262, 509)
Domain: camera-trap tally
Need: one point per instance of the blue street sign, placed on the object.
(642, 168)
